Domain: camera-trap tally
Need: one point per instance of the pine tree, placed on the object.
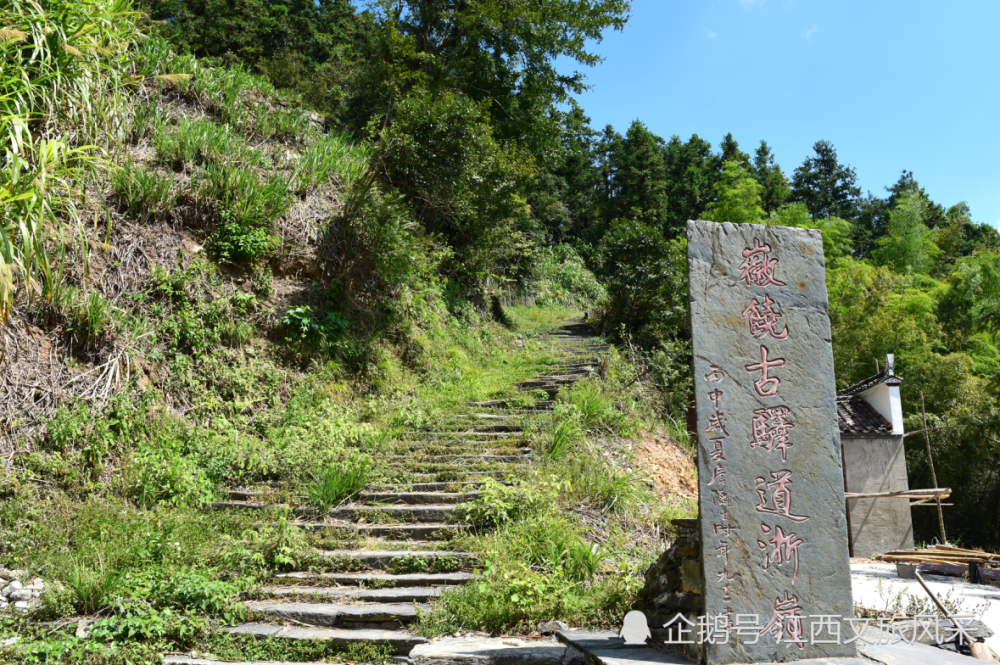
(772, 179)
(828, 188)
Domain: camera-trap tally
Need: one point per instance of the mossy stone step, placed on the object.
(423, 513)
(434, 531)
(401, 641)
(333, 594)
(383, 580)
(382, 559)
(460, 475)
(185, 660)
(473, 448)
(417, 498)
(334, 615)
(457, 467)
(453, 487)
(410, 460)
(457, 434)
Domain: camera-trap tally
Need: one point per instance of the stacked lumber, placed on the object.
(942, 554)
(948, 560)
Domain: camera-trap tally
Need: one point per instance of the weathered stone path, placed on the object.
(404, 530)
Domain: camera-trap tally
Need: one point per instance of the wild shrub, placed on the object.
(594, 408)
(473, 197)
(336, 484)
(330, 157)
(134, 621)
(560, 278)
(157, 472)
(93, 587)
(190, 591)
(500, 503)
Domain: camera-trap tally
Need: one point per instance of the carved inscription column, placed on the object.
(771, 498)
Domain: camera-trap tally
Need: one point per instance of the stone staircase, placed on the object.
(405, 557)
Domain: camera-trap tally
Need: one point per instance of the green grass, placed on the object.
(336, 484)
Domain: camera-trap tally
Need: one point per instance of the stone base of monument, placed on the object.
(606, 648)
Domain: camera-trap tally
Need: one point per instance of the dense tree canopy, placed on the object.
(477, 139)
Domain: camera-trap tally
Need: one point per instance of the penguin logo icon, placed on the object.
(635, 630)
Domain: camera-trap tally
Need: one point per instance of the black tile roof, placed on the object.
(886, 376)
(856, 417)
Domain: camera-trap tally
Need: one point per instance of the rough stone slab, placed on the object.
(488, 651)
(406, 579)
(902, 653)
(384, 558)
(418, 498)
(759, 293)
(425, 513)
(184, 660)
(390, 595)
(609, 649)
(400, 640)
(421, 531)
(330, 614)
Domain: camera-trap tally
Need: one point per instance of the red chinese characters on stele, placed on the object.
(771, 432)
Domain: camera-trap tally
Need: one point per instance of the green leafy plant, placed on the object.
(93, 588)
(337, 483)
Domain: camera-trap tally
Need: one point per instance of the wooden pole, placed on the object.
(930, 460)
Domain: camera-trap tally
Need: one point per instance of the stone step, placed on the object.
(432, 531)
(401, 641)
(458, 466)
(409, 460)
(417, 498)
(333, 615)
(542, 405)
(186, 660)
(382, 560)
(427, 487)
(451, 476)
(383, 579)
(430, 447)
(546, 383)
(483, 436)
(423, 513)
(332, 594)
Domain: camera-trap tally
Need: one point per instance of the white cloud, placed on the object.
(710, 34)
(808, 34)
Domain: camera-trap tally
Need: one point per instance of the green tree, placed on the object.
(836, 232)
(729, 151)
(498, 52)
(737, 197)
(692, 169)
(908, 245)
(827, 187)
(646, 281)
(475, 197)
(640, 187)
(770, 176)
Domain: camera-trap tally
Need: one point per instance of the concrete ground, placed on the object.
(878, 587)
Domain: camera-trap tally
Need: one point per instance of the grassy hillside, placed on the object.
(207, 289)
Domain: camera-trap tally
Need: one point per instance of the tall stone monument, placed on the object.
(771, 488)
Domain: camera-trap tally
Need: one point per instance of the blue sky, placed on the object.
(894, 85)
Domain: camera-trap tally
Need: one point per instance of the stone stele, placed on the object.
(771, 485)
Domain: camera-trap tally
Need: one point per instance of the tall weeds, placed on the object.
(62, 74)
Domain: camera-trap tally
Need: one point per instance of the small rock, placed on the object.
(5, 574)
(19, 595)
(8, 643)
(18, 574)
(21, 606)
(83, 628)
(551, 627)
(36, 584)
